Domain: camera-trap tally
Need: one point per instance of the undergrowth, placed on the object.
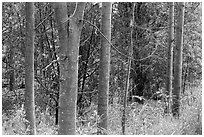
(147, 119)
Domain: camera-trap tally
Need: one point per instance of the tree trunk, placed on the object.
(11, 71)
(178, 61)
(58, 71)
(185, 75)
(130, 51)
(80, 102)
(69, 49)
(29, 68)
(170, 53)
(104, 68)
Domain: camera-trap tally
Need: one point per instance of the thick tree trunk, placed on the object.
(170, 53)
(69, 48)
(104, 68)
(178, 61)
(29, 68)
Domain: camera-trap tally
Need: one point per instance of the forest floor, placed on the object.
(147, 119)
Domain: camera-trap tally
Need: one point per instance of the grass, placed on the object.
(147, 119)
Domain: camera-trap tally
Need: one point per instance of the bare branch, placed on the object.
(44, 20)
(45, 68)
(116, 48)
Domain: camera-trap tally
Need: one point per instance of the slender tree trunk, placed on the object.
(12, 71)
(29, 68)
(185, 77)
(69, 49)
(178, 61)
(80, 102)
(186, 73)
(58, 71)
(104, 68)
(170, 53)
(130, 51)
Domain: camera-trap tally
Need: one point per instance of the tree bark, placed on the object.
(170, 53)
(104, 68)
(69, 49)
(178, 61)
(29, 68)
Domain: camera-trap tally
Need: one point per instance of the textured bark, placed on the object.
(130, 51)
(104, 68)
(69, 49)
(29, 68)
(170, 52)
(178, 61)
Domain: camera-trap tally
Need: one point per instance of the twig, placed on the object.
(44, 20)
(45, 68)
(82, 44)
(150, 29)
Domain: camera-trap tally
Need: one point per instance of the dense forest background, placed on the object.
(148, 70)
